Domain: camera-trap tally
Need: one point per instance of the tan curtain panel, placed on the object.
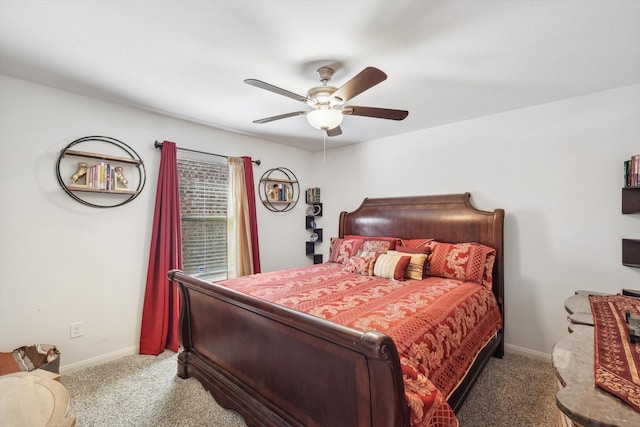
(239, 252)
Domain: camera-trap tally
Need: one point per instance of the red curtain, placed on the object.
(253, 221)
(161, 311)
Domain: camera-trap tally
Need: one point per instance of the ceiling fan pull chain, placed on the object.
(324, 147)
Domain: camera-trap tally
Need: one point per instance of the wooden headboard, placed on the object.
(447, 218)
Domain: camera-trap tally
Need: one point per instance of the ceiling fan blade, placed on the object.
(379, 113)
(334, 132)
(275, 89)
(281, 116)
(364, 80)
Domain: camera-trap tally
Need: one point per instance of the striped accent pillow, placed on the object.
(391, 266)
(417, 268)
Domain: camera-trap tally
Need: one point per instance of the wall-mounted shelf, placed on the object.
(630, 200)
(631, 247)
(119, 175)
(99, 190)
(314, 210)
(89, 155)
(631, 252)
(279, 189)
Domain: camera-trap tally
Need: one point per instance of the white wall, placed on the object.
(557, 171)
(57, 262)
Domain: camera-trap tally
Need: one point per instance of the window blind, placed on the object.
(203, 206)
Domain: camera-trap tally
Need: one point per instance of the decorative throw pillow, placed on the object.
(487, 276)
(362, 252)
(392, 240)
(418, 267)
(360, 265)
(471, 262)
(391, 266)
(414, 243)
(376, 245)
(342, 249)
(374, 254)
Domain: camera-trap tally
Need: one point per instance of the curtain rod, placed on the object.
(158, 145)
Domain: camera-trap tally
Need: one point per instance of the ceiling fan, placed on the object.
(328, 102)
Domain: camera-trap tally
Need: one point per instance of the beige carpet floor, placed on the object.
(141, 391)
(512, 391)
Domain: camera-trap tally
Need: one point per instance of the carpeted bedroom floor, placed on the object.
(145, 391)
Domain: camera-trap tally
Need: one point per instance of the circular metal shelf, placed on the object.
(279, 189)
(130, 158)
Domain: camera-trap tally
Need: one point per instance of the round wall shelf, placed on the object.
(279, 189)
(108, 174)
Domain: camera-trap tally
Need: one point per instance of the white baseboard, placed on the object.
(66, 369)
(98, 360)
(514, 349)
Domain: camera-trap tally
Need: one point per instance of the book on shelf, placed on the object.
(632, 171)
(280, 193)
(312, 195)
(101, 176)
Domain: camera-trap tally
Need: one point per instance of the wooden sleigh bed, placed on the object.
(278, 366)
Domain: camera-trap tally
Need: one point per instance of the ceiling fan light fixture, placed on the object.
(324, 118)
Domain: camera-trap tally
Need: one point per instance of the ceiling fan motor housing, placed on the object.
(322, 95)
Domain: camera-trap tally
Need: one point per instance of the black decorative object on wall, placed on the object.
(631, 247)
(314, 211)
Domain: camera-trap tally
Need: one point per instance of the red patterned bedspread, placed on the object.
(438, 325)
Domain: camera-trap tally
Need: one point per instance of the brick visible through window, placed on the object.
(203, 209)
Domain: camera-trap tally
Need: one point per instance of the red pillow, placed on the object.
(414, 243)
(471, 262)
(342, 249)
(411, 250)
(413, 271)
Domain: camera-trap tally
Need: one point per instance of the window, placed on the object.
(203, 210)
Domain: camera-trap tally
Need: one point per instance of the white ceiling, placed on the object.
(446, 60)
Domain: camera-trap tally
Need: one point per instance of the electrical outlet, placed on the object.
(76, 329)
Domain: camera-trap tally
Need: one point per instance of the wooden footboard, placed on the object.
(240, 348)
